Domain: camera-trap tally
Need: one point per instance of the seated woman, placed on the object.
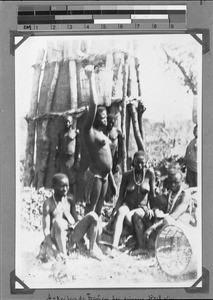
(177, 205)
(133, 205)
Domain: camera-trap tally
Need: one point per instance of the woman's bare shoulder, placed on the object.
(150, 171)
(127, 175)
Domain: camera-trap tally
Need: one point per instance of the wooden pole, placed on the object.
(141, 108)
(123, 112)
(79, 71)
(109, 79)
(51, 72)
(30, 144)
(73, 85)
(137, 134)
(137, 68)
(44, 136)
(128, 124)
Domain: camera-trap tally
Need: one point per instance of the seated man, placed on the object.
(177, 205)
(60, 222)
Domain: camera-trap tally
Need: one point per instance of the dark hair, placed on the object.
(57, 177)
(111, 117)
(100, 109)
(139, 153)
(174, 171)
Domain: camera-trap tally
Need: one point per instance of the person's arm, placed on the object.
(182, 206)
(151, 195)
(153, 228)
(77, 156)
(122, 193)
(73, 210)
(89, 70)
(112, 184)
(120, 146)
(46, 226)
(58, 149)
(152, 186)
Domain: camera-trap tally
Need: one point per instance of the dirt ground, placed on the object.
(81, 271)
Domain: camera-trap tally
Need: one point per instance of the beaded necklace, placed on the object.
(172, 199)
(138, 183)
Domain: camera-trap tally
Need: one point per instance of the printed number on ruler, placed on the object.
(53, 27)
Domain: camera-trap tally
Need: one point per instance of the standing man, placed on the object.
(100, 170)
(116, 139)
(191, 161)
(68, 152)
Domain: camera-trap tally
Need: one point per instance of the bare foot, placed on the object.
(114, 253)
(139, 252)
(61, 257)
(96, 255)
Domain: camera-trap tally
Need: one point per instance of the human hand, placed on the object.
(168, 220)
(89, 70)
(148, 232)
(114, 190)
(150, 213)
(159, 214)
(114, 212)
(117, 169)
(141, 108)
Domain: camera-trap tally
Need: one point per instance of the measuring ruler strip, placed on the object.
(94, 17)
(101, 27)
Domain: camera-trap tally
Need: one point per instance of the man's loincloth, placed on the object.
(89, 178)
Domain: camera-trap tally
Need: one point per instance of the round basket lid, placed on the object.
(173, 250)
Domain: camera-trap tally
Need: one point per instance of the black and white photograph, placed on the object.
(108, 158)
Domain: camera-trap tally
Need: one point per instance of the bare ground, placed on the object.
(81, 271)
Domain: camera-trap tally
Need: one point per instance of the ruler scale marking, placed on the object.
(101, 17)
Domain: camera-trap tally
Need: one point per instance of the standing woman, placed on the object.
(100, 171)
(136, 194)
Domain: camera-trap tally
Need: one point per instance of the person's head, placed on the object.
(101, 117)
(139, 160)
(68, 121)
(195, 132)
(111, 120)
(175, 179)
(60, 184)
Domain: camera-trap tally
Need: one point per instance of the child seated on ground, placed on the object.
(61, 227)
